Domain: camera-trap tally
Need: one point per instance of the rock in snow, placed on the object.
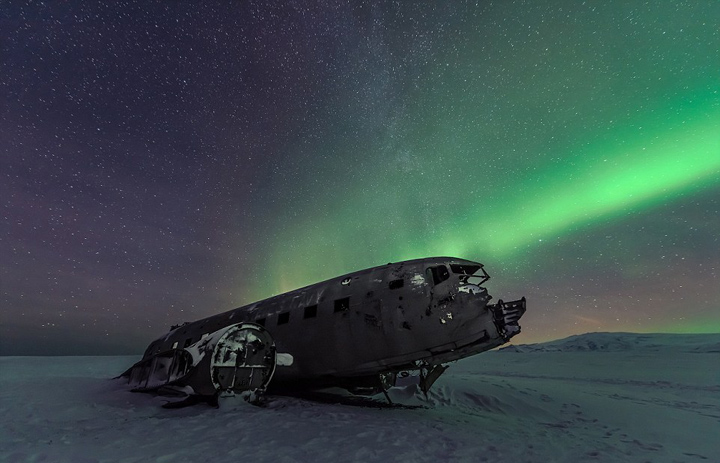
(601, 397)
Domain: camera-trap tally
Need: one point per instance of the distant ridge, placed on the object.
(624, 342)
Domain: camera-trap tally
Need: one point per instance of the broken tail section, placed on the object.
(239, 358)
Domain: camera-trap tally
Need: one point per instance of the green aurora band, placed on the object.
(563, 150)
(621, 179)
(609, 179)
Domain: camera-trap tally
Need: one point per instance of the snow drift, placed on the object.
(601, 397)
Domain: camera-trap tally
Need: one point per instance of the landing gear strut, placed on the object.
(387, 380)
(429, 376)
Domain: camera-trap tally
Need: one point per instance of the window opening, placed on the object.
(283, 318)
(342, 305)
(310, 311)
(260, 321)
(396, 284)
(473, 274)
(439, 273)
(464, 269)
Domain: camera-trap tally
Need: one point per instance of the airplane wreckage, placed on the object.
(367, 331)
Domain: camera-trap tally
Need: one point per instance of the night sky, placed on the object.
(163, 161)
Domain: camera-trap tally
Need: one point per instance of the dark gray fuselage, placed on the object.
(381, 319)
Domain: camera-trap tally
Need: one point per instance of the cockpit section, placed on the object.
(469, 274)
(437, 274)
(472, 274)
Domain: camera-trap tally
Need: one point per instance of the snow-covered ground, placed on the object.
(602, 397)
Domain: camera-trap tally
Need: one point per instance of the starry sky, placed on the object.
(164, 161)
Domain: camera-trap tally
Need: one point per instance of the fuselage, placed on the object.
(381, 319)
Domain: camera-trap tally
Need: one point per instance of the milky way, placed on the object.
(165, 161)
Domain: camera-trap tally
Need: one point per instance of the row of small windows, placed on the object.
(436, 274)
(311, 311)
(343, 304)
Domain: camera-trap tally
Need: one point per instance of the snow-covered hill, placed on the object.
(622, 342)
(601, 397)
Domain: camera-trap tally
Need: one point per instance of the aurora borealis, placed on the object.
(166, 161)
